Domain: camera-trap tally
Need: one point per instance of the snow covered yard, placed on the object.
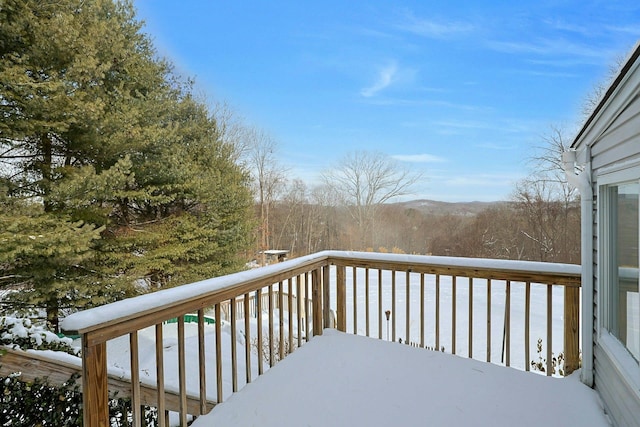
(342, 379)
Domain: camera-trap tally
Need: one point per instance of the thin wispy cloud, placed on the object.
(464, 124)
(556, 62)
(629, 29)
(425, 102)
(419, 158)
(561, 25)
(492, 146)
(385, 78)
(370, 32)
(549, 74)
(564, 49)
(482, 180)
(432, 28)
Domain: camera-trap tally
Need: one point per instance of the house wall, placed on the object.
(611, 142)
(620, 142)
(620, 399)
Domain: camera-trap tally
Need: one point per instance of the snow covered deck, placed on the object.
(491, 310)
(342, 379)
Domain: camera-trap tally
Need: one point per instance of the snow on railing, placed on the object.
(428, 302)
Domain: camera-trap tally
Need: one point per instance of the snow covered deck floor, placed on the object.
(341, 379)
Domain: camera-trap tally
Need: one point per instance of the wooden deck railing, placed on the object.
(423, 295)
(289, 303)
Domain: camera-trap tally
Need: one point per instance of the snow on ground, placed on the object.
(341, 379)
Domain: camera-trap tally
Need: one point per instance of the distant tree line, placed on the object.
(353, 210)
(531, 228)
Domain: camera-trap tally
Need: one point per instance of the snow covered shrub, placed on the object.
(19, 333)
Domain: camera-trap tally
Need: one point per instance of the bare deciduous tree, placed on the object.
(326, 201)
(232, 129)
(595, 95)
(268, 175)
(547, 203)
(365, 181)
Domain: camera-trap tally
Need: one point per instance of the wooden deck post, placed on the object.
(95, 391)
(341, 296)
(571, 329)
(316, 298)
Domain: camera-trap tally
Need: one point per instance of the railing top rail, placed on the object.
(155, 307)
(502, 265)
(167, 299)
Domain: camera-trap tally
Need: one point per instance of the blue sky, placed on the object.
(461, 92)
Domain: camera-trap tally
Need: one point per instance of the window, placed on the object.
(619, 260)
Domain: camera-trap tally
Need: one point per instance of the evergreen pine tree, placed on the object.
(108, 161)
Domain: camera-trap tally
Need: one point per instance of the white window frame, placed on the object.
(619, 355)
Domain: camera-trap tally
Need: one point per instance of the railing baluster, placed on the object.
(549, 329)
(308, 289)
(341, 298)
(281, 321)
(393, 305)
(290, 313)
(160, 376)
(201, 363)
(299, 297)
(234, 354)
(422, 310)
(326, 297)
(247, 336)
(259, 330)
(453, 314)
(182, 377)
(488, 320)
(135, 379)
(366, 300)
(218, 324)
(437, 312)
(380, 303)
(527, 321)
(355, 301)
(316, 277)
(408, 307)
(507, 324)
(272, 348)
(470, 317)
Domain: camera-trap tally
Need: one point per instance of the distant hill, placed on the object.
(442, 208)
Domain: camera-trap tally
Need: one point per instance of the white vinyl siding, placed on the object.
(609, 145)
